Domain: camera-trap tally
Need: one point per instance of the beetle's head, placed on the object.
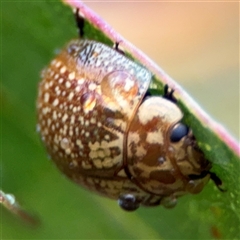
(163, 155)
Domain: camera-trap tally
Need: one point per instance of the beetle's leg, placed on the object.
(80, 22)
(168, 94)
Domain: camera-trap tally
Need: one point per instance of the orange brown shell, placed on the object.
(102, 133)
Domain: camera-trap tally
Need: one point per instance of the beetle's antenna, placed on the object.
(80, 22)
(117, 48)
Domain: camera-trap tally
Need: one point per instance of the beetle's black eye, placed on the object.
(178, 132)
(128, 202)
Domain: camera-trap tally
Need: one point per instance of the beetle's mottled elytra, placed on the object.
(104, 132)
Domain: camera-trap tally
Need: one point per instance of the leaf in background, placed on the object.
(32, 33)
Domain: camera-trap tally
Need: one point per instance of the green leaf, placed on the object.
(31, 34)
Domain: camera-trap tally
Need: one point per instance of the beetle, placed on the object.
(106, 132)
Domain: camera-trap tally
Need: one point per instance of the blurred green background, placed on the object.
(195, 43)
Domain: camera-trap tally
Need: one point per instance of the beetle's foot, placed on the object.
(168, 94)
(128, 202)
(217, 181)
(80, 22)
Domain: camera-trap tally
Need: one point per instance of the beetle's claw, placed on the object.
(168, 94)
(80, 22)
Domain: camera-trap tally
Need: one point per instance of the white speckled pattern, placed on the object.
(103, 135)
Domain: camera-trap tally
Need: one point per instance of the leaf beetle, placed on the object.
(106, 133)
